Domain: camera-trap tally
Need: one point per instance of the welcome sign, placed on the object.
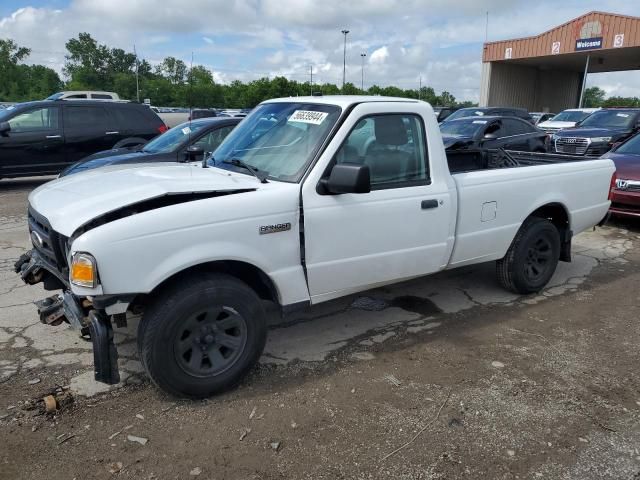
(588, 43)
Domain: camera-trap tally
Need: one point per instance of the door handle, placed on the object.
(111, 133)
(427, 204)
(53, 136)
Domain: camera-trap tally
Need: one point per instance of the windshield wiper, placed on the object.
(253, 170)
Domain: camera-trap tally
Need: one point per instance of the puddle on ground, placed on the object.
(410, 303)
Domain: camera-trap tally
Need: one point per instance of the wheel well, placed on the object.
(246, 272)
(557, 214)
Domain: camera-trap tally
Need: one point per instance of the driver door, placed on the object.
(401, 229)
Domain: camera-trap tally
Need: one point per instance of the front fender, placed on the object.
(136, 254)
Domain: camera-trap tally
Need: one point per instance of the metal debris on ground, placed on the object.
(253, 413)
(139, 417)
(34, 381)
(392, 380)
(140, 440)
(69, 437)
(369, 304)
(275, 445)
(244, 433)
(195, 472)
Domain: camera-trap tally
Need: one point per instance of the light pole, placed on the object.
(362, 55)
(344, 58)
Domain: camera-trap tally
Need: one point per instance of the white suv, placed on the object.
(566, 119)
(84, 95)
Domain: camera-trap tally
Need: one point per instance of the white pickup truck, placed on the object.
(292, 210)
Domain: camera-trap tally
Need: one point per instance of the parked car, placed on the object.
(83, 95)
(232, 113)
(566, 119)
(187, 142)
(625, 201)
(171, 116)
(281, 216)
(493, 132)
(45, 137)
(539, 117)
(482, 111)
(443, 112)
(596, 134)
(202, 113)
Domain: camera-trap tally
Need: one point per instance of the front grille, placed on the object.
(52, 246)
(572, 145)
(598, 150)
(551, 130)
(630, 186)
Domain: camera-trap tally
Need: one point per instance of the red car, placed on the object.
(625, 199)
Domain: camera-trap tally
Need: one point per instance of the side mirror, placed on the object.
(348, 178)
(489, 136)
(5, 127)
(193, 152)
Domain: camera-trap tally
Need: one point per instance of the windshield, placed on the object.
(609, 118)
(570, 116)
(279, 139)
(173, 138)
(632, 146)
(465, 112)
(55, 96)
(462, 128)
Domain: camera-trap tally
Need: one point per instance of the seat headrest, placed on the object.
(390, 130)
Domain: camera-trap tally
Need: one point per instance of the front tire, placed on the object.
(532, 257)
(201, 336)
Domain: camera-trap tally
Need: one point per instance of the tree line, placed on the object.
(90, 65)
(596, 97)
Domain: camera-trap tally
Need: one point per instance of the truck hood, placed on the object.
(70, 202)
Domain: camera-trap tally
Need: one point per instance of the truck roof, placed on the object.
(343, 101)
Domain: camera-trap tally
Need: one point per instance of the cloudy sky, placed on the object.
(439, 41)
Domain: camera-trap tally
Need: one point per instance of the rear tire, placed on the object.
(532, 257)
(199, 337)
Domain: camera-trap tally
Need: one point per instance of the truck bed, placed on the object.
(498, 189)
(461, 161)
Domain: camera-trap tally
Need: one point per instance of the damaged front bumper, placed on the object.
(80, 313)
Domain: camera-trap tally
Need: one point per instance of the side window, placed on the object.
(131, 119)
(212, 140)
(35, 120)
(394, 148)
(86, 118)
(101, 96)
(515, 127)
(77, 95)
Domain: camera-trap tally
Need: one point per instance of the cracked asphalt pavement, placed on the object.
(531, 390)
